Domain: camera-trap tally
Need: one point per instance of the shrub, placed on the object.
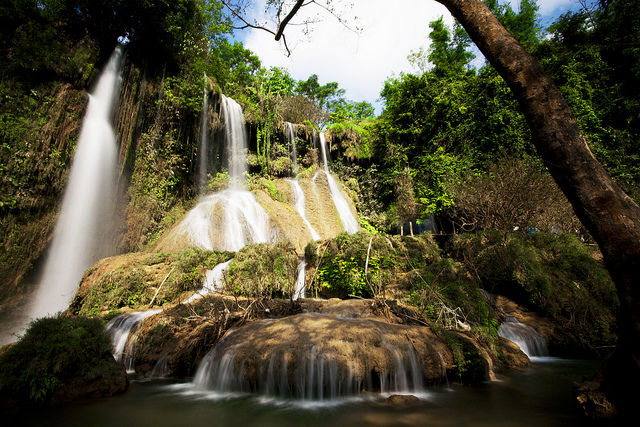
(53, 350)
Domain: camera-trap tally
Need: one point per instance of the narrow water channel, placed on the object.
(538, 396)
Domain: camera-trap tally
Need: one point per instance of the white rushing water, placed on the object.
(119, 329)
(299, 291)
(311, 373)
(203, 146)
(232, 218)
(292, 130)
(236, 142)
(226, 221)
(528, 339)
(299, 205)
(214, 281)
(349, 221)
(88, 199)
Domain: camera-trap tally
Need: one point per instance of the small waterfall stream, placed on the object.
(299, 291)
(349, 221)
(236, 141)
(290, 135)
(88, 200)
(120, 328)
(203, 146)
(214, 281)
(528, 339)
(299, 205)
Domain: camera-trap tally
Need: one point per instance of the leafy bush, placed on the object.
(264, 270)
(53, 350)
(556, 276)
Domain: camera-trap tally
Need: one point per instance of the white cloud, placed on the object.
(361, 63)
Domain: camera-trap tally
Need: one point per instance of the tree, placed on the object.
(612, 217)
(448, 56)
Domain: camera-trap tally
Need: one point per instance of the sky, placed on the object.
(361, 61)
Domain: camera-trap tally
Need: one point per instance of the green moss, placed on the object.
(135, 285)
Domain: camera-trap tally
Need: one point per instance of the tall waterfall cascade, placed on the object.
(349, 221)
(87, 205)
(527, 338)
(232, 218)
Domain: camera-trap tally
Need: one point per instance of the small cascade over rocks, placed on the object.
(120, 329)
(299, 205)
(88, 200)
(349, 221)
(323, 356)
(214, 281)
(528, 339)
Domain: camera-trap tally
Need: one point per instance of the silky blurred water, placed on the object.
(538, 396)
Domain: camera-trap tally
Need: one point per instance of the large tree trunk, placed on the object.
(612, 218)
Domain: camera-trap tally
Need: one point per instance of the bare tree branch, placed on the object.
(287, 18)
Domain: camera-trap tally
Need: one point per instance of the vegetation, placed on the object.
(52, 351)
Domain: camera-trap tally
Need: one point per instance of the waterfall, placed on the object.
(236, 139)
(225, 221)
(528, 339)
(119, 329)
(214, 281)
(299, 291)
(232, 218)
(88, 200)
(299, 205)
(290, 134)
(203, 146)
(349, 222)
(313, 372)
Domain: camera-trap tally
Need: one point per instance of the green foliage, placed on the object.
(448, 56)
(135, 285)
(555, 276)
(264, 271)
(349, 267)
(52, 351)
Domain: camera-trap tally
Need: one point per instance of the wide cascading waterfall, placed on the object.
(528, 339)
(214, 281)
(203, 146)
(349, 221)
(120, 328)
(225, 221)
(236, 140)
(305, 363)
(299, 291)
(87, 205)
(291, 131)
(299, 205)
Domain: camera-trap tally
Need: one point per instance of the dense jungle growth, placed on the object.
(451, 144)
